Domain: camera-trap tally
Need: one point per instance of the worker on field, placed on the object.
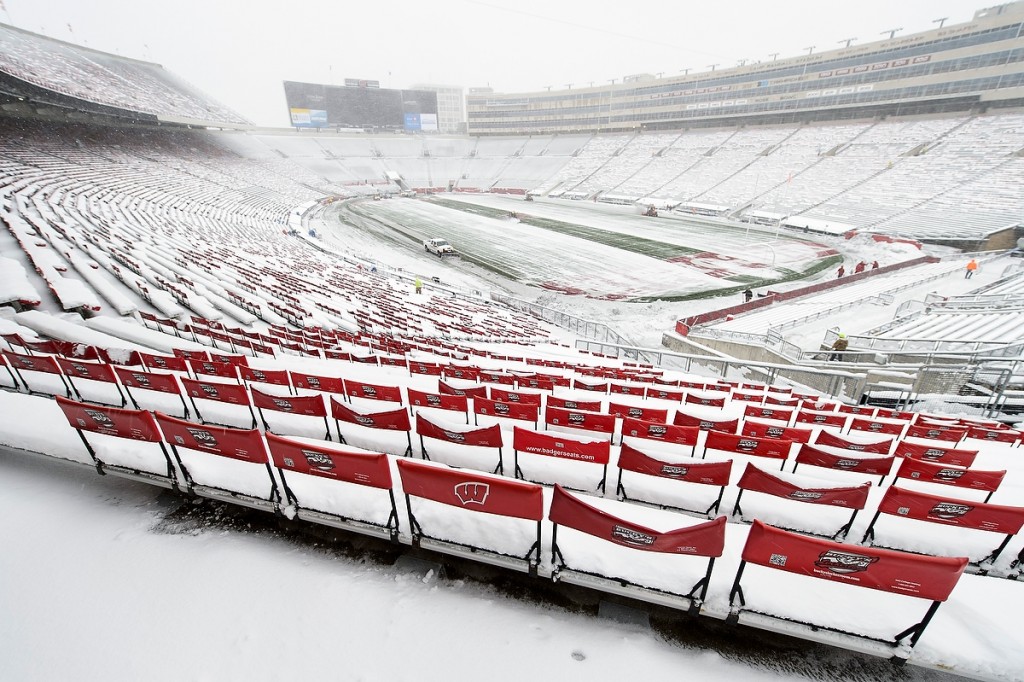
(971, 267)
(419, 285)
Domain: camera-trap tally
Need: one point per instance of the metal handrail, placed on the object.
(599, 331)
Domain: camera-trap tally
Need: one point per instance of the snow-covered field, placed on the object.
(604, 251)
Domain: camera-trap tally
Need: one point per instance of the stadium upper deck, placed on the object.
(962, 67)
(37, 70)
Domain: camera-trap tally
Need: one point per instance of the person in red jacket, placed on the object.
(860, 267)
(840, 272)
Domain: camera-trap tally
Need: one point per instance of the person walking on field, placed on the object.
(419, 285)
(840, 272)
(747, 295)
(971, 267)
(840, 345)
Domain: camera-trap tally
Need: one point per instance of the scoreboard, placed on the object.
(313, 105)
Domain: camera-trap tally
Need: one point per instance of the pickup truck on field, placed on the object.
(439, 247)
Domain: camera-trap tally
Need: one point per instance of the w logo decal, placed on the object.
(472, 492)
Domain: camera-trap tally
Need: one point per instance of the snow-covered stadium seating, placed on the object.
(106, 79)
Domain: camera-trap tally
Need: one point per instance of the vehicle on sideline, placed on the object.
(439, 247)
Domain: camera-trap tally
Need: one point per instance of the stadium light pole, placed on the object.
(773, 55)
(685, 72)
(847, 41)
(891, 31)
(940, 22)
(712, 66)
(810, 49)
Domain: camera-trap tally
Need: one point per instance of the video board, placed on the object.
(313, 105)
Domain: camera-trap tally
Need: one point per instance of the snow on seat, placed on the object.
(920, 471)
(425, 368)
(230, 465)
(778, 415)
(893, 427)
(167, 363)
(821, 421)
(461, 387)
(15, 384)
(291, 413)
(592, 422)
(720, 444)
(988, 435)
(856, 441)
(473, 515)
(154, 382)
(600, 538)
(368, 391)
(664, 479)
(706, 398)
(93, 375)
(515, 396)
(566, 403)
(317, 382)
(44, 370)
(772, 428)
(838, 610)
(933, 433)
(647, 413)
(272, 377)
(572, 461)
(361, 426)
(502, 412)
(335, 485)
(961, 517)
(423, 400)
(707, 419)
(842, 460)
(668, 436)
(108, 448)
(467, 444)
(668, 393)
(225, 404)
(212, 368)
(936, 454)
(802, 489)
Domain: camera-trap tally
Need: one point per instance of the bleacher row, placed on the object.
(740, 421)
(928, 178)
(175, 246)
(104, 78)
(924, 178)
(494, 519)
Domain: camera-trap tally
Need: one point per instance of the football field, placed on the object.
(599, 250)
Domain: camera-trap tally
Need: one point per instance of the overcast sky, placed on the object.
(240, 51)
